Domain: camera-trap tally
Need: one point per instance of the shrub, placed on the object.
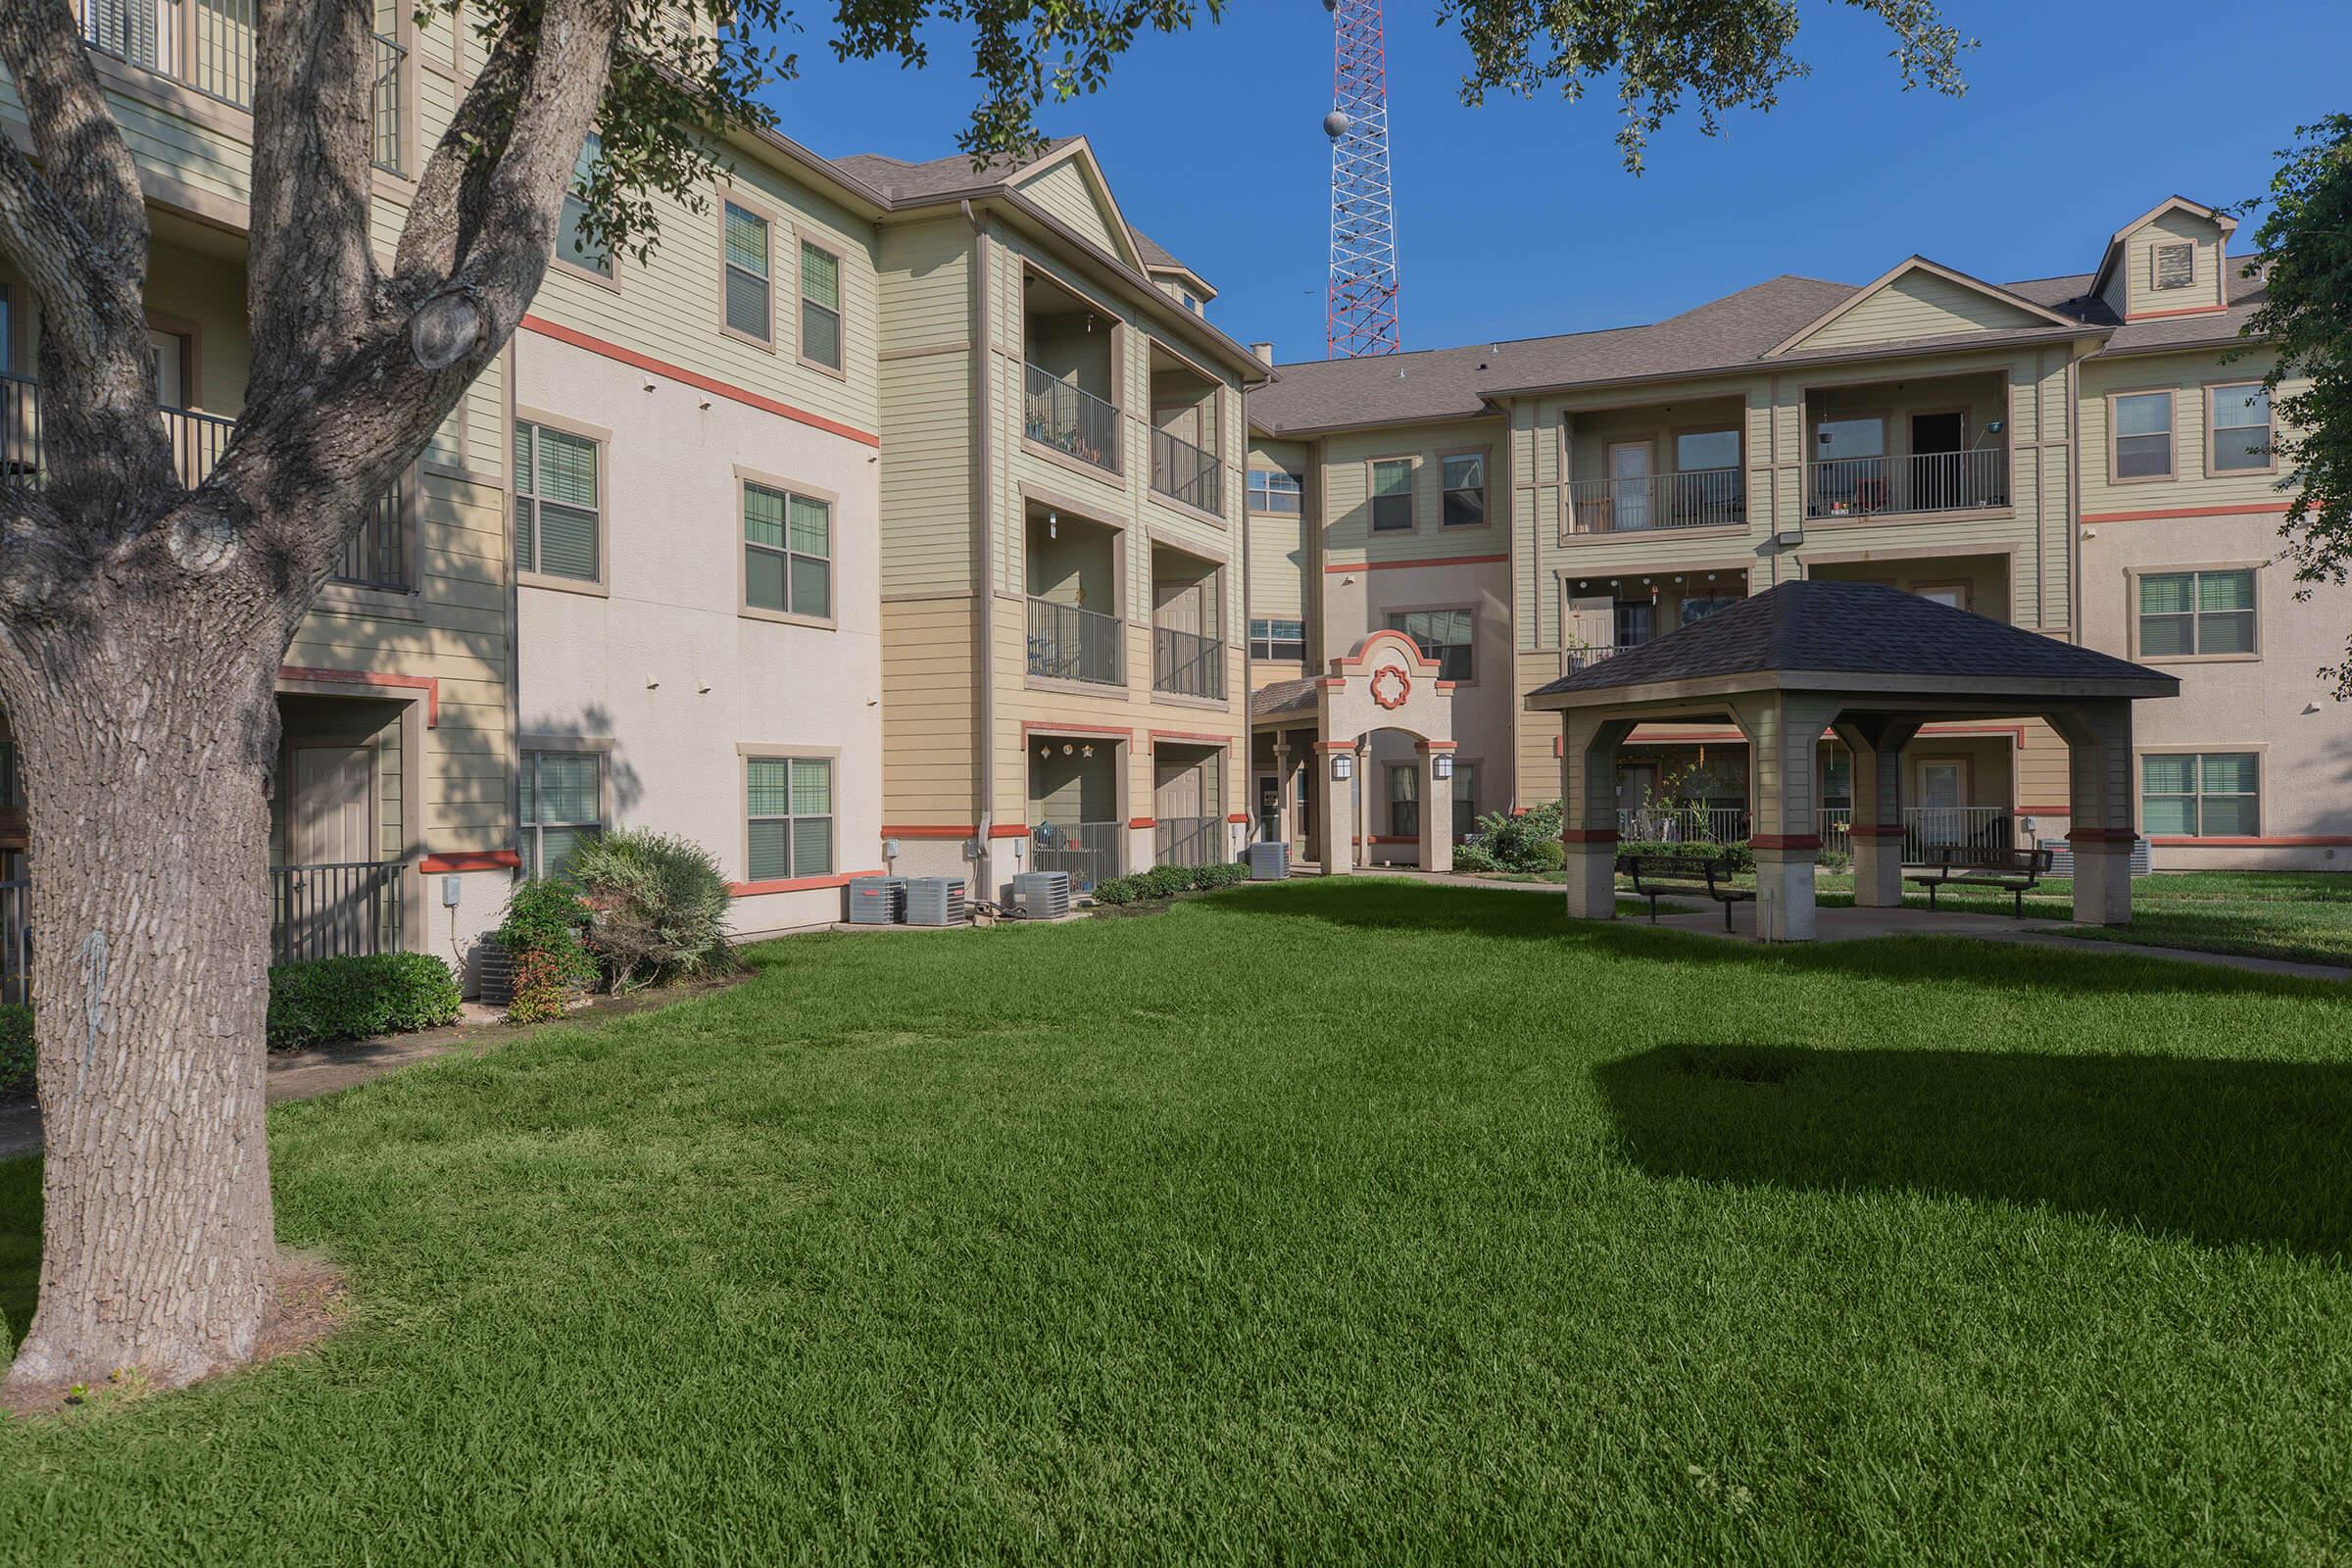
(657, 907)
(1117, 890)
(542, 932)
(16, 1049)
(1475, 856)
(1527, 841)
(352, 997)
(1743, 858)
(1218, 874)
(1165, 881)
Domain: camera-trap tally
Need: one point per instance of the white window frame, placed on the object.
(2200, 795)
(730, 204)
(530, 573)
(2215, 395)
(2195, 616)
(789, 755)
(838, 309)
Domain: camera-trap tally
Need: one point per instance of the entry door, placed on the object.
(330, 890)
(1942, 792)
(1936, 443)
(1637, 782)
(1629, 485)
(168, 353)
(1269, 808)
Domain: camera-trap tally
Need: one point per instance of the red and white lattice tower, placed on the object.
(1360, 307)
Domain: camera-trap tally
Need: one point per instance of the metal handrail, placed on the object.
(334, 910)
(1190, 841)
(1185, 473)
(1067, 643)
(1070, 419)
(1187, 665)
(1924, 481)
(1699, 498)
(1089, 851)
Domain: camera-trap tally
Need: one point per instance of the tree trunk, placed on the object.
(147, 761)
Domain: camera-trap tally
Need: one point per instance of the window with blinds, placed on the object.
(821, 306)
(749, 286)
(1392, 494)
(2241, 434)
(557, 496)
(2201, 795)
(2185, 614)
(2142, 444)
(790, 808)
(787, 552)
(562, 807)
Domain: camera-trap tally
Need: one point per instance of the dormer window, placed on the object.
(2174, 265)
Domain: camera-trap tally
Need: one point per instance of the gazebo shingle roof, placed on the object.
(1814, 625)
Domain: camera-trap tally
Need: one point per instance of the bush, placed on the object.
(1117, 890)
(1743, 858)
(1218, 874)
(1166, 881)
(1475, 856)
(352, 997)
(657, 907)
(1527, 841)
(542, 932)
(16, 1049)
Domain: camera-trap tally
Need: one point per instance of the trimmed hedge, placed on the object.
(350, 999)
(1743, 858)
(1166, 881)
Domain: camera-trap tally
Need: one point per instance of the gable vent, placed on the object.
(2175, 265)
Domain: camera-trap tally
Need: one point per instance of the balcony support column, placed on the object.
(1437, 807)
(1875, 834)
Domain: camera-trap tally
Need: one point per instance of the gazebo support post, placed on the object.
(1875, 834)
(1589, 810)
(2099, 830)
(1437, 807)
(1784, 735)
(1338, 815)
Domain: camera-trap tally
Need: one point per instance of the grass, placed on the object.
(1335, 1222)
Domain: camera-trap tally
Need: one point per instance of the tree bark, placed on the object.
(148, 752)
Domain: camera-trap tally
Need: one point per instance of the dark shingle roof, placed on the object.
(1277, 698)
(1817, 624)
(904, 181)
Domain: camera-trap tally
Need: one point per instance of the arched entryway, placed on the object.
(1323, 775)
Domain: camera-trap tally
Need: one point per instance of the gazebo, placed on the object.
(1872, 665)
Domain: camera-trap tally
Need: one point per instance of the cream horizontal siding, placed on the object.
(1919, 304)
(2132, 291)
(1064, 192)
(928, 714)
(2188, 376)
(1347, 477)
(925, 394)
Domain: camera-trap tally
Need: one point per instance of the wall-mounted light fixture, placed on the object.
(1342, 764)
(1442, 765)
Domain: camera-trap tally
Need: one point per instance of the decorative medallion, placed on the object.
(1389, 685)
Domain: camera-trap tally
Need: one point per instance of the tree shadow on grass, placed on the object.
(2218, 1151)
(1375, 904)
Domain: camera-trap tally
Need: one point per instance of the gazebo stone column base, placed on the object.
(1784, 891)
(1878, 865)
(1592, 868)
(2102, 876)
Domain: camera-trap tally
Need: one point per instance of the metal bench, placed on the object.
(2016, 872)
(1656, 876)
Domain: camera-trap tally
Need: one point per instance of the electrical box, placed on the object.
(449, 891)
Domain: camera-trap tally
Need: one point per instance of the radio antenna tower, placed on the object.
(1360, 307)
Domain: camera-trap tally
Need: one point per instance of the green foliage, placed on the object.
(1527, 842)
(16, 1049)
(353, 998)
(1475, 856)
(2305, 244)
(544, 933)
(1743, 858)
(1164, 882)
(657, 907)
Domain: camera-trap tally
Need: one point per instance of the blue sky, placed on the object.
(1515, 220)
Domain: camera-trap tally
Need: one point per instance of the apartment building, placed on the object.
(2068, 453)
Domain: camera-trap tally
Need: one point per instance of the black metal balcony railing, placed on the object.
(1087, 851)
(1925, 482)
(333, 912)
(1066, 643)
(1929, 828)
(1070, 419)
(1190, 841)
(1702, 498)
(1187, 665)
(376, 558)
(208, 45)
(1183, 472)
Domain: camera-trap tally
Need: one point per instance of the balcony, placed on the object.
(1186, 474)
(1187, 665)
(1924, 481)
(1067, 643)
(1188, 656)
(336, 911)
(1069, 420)
(377, 557)
(1190, 841)
(208, 45)
(1705, 497)
(1186, 428)
(1089, 851)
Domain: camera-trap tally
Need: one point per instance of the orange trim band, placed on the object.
(1400, 566)
(1432, 746)
(930, 830)
(2263, 510)
(1237, 816)
(1784, 841)
(793, 884)
(1189, 735)
(2311, 840)
(1008, 830)
(471, 860)
(678, 372)
(430, 685)
(1879, 830)
(1143, 821)
(1334, 746)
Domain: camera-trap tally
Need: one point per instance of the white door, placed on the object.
(331, 824)
(1592, 626)
(1942, 792)
(1629, 485)
(167, 352)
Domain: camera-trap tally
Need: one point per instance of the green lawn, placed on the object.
(1338, 1221)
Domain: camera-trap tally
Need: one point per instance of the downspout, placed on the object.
(984, 588)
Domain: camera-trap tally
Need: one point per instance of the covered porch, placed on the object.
(1873, 666)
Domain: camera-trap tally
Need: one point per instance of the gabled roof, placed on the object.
(1866, 633)
(1904, 269)
(1282, 697)
(2115, 244)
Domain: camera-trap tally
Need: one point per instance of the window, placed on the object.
(1392, 494)
(2212, 795)
(1838, 781)
(1278, 638)
(1465, 500)
(1694, 611)
(1697, 451)
(821, 306)
(556, 496)
(749, 291)
(2240, 437)
(1404, 800)
(789, 807)
(1274, 492)
(1951, 594)
(2173, 265)
(2183, 614)
(1850, 438)
(574, 243)
(1442, 635)
(1636, 624)
(787, 552)
(2144, 436)
(562, 807)
(1465, 796)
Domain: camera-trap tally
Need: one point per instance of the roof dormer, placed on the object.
(2169, 260)
(1918, 301)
